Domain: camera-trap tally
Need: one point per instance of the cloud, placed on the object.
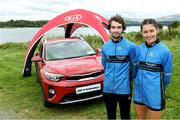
(46, 9)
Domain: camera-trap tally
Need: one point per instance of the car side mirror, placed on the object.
(36, 59)
(98, 50)
(36, 54)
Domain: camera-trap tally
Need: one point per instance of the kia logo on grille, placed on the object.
(73, 18)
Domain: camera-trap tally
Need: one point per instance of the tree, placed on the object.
(174, 25)
(160, 26)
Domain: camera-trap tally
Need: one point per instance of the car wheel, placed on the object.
(44, 101)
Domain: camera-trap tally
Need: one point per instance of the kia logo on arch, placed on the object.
(73, 18)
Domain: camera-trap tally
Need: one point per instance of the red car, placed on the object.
(69, 71)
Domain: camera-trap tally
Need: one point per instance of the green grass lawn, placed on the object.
(20, 97)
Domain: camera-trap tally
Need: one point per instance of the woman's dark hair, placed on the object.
(118, 19)
(149, 21)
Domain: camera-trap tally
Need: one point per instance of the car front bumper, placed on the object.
(65, 91)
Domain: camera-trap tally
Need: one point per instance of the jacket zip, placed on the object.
(114, 69)
(143, 74)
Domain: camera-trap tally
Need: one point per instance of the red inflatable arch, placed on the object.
(70, 20)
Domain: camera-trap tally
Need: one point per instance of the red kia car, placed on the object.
(69, 71)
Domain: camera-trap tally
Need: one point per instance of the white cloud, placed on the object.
(46, 9)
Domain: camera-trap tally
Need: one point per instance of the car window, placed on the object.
(68, 49)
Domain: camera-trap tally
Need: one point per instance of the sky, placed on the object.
(48, 9)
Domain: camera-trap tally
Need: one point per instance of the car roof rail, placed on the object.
(78, 36)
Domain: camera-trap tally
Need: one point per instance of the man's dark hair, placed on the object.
(149, 21)
(118, 19)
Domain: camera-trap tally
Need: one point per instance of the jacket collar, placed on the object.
(117, 40)
(149, 46)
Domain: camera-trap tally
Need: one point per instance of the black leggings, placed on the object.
(111, 104)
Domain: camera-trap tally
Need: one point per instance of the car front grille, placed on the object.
(86, 76)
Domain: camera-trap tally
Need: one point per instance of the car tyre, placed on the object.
(44, 101)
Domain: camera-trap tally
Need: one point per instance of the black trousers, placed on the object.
(111, 105)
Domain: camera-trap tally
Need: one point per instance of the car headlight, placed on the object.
(53, 77)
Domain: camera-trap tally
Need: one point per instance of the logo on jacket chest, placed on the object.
(151, 54)
(119, 48)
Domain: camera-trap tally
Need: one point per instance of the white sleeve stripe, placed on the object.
(167, 74)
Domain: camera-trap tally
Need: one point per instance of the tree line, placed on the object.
(22, 23)
(40, 23)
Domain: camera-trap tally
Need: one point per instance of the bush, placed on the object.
(169, 34)
(172, 34)
(134, 37)
(94, 40)
(174, 25)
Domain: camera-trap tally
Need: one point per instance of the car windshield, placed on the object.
(68, 49)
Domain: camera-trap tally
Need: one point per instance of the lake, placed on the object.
(26, 34)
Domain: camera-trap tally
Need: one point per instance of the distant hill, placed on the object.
(165, 20)
(134, 19)
(175, 17)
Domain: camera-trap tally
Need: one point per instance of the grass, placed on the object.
(20, 96)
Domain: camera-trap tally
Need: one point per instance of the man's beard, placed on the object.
(116, 36)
